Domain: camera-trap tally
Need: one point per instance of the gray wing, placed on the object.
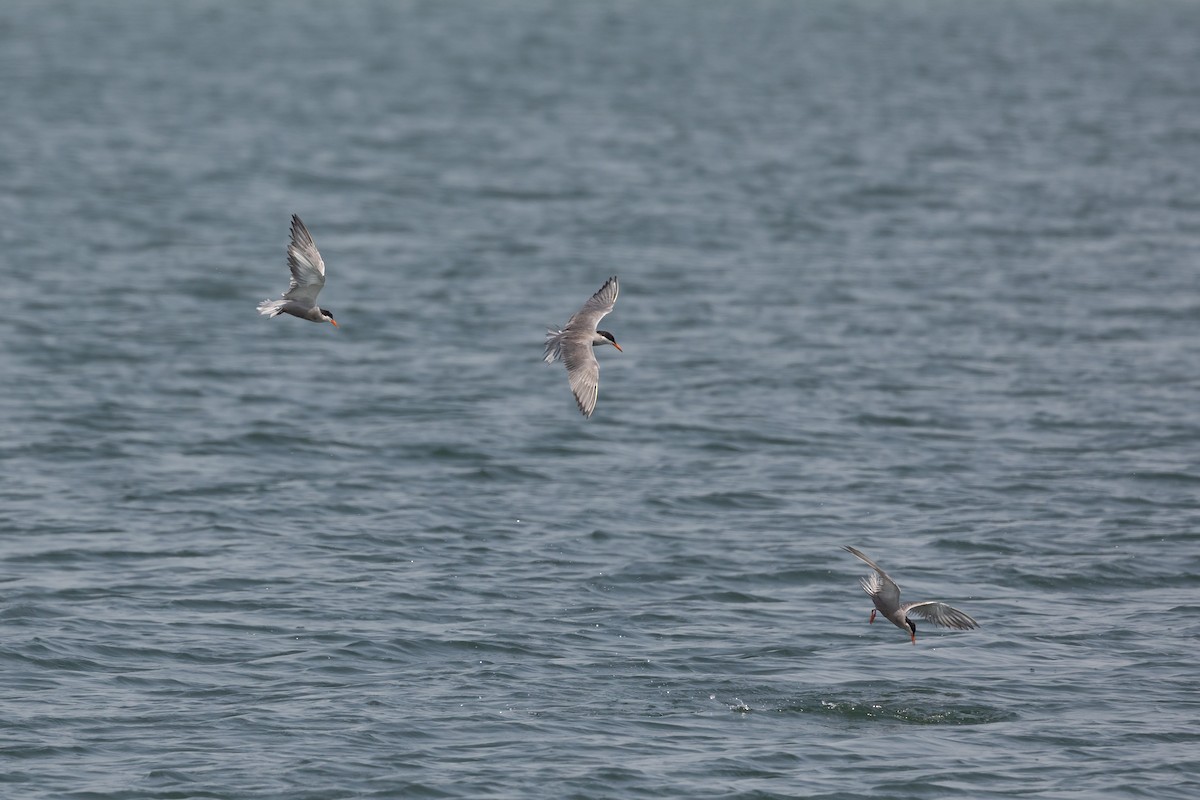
(879, 583)
(308, 270)
(583, 372)
(595, 309)
(942, 614)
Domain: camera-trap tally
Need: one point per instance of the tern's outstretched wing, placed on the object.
(308, 270)
(941, 614)
(595, 309)
(878, 584)
(583, 372)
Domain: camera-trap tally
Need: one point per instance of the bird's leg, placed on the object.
(872, 619)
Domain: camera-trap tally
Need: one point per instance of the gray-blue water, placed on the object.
(916, 276)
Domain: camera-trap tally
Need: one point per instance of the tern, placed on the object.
(308, 276)
(885, 593)
(573, 344)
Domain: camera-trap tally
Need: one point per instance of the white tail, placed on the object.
(553, 345)
(271, 308)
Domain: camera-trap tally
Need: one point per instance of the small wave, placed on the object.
(912, 712)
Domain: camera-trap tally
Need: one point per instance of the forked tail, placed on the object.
(271, 308)
(553, 345)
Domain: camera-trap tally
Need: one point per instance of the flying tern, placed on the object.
(885, 594)
(308, 276)
(573, 344)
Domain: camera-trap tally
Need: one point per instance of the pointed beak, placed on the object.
(871, 621)
(614, 344)
(333, 323)
(914, 638)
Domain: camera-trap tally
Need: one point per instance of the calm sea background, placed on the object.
(916, 276)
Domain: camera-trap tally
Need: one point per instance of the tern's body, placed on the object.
(573, 344)
(308, 276)
(885, 594)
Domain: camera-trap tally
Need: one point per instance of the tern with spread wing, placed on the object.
(308, 276)
(573, 344)
(885, 593)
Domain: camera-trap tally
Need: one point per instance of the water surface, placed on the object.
(914, 276)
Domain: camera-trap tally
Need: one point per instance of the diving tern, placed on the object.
(308, 276)
(886, 596)
(573, 344)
